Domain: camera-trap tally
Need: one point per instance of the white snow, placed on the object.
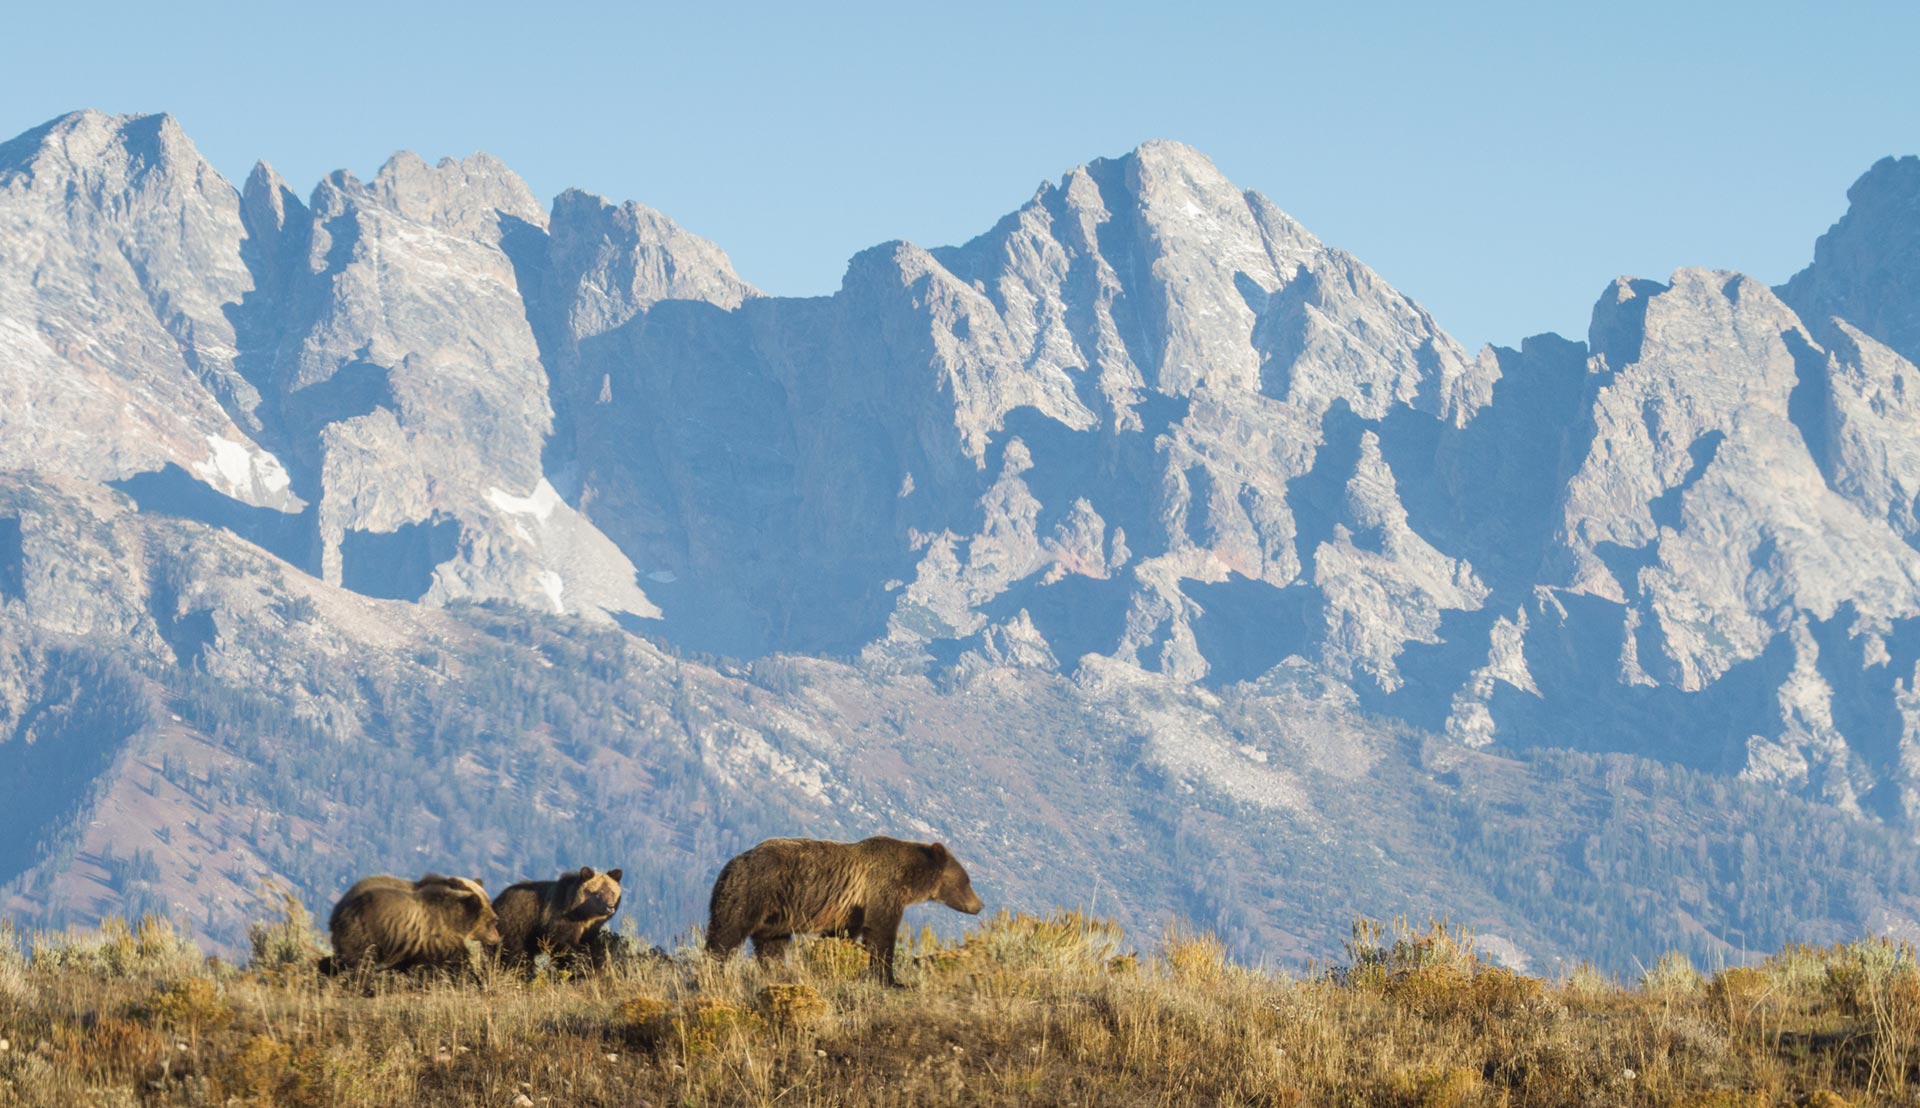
(553, 586)
(240, 468)
(539, 504)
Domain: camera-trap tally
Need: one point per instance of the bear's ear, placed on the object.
(937, 853)
(614, 873)
(479, 882)
(586, 872)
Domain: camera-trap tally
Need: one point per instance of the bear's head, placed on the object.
(952, 887)
(462, 905)
(590, 896)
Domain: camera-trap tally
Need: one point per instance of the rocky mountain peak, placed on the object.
(1189, 282)
(271, 208)
(466, 196)
(105, 149)
(469, 198)
(1866, 268)
(115, 298)
(607, 262)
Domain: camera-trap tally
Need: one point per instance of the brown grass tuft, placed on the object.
(834, 959)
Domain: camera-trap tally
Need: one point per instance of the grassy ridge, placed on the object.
(1021, 1010)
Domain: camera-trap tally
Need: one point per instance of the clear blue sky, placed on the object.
(1500, 163)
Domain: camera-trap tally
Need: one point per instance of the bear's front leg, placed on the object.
(771, 949)
(881, 932)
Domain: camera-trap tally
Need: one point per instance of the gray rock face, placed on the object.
(1703, 493)
(606, 264)
(1866, 269)
(1146, 457)
(361, 367)
(1700, 507)
(424, 304)
(118, 260)
(1085, 413)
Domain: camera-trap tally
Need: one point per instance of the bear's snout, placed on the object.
(593, 908)
(963, 900)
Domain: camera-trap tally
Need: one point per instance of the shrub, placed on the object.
(1738, 991)
(1437, 990)
(1370, 958)
(262, 1069)
(1448, 1087)
(1193, 957)
(1855, 972)
(643, 1021)
(286, 944)
(154, 948)
(191, 1004)
(936, 958)
(1672, 977)
(1499, 991)
(1434, 973)
(1586, 984)
(1894, 1004)
(15, 983)
(120, 1046)
(1066, 941)
(797, 1008)
(709, 1023)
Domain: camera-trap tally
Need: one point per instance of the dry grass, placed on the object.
(1022, 1010)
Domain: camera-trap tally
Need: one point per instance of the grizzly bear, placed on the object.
(788, 887)
(391, 923)
(562, 919)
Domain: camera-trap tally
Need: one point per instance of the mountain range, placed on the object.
(1159, 557)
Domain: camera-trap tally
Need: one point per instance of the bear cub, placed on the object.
(391, 923)
(563, 919)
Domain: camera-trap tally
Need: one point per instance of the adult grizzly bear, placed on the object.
(562, 919)
(788, 887)
(391, 923)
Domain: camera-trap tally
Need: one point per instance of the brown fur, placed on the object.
(562, 918)
(391, 923)
(788, 887)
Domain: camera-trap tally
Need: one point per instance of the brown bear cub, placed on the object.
(562, 919)
(788, 887)
(391, 923)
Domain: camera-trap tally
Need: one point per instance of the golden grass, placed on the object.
(1022, 1010)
